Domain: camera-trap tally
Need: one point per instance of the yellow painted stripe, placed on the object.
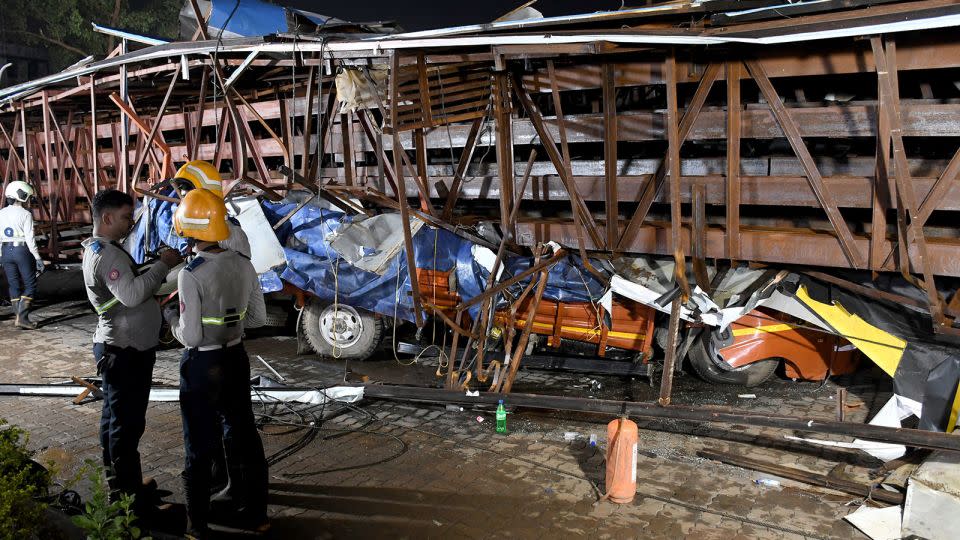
(586, 332)
(952, 424)
(769, 328)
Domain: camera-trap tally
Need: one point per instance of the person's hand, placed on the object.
(40, 266)
(170, 257)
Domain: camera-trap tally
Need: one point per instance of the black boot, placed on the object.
(15, 306)
(23, 314)
(198, 507)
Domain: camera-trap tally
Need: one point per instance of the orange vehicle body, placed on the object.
(808, 354)
(631, 325)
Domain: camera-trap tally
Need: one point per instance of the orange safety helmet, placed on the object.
(199, 174)
(201, 215)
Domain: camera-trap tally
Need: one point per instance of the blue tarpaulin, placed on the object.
(312, 265)
(250, 18)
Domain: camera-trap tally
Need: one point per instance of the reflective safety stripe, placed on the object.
(104, 307)
(771, 328)
(223, 321)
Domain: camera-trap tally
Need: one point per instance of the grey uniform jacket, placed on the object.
(129, 315)
(237, 241)
(219, 296)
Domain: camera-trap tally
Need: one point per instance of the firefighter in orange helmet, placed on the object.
(199, 174)
(219, 297)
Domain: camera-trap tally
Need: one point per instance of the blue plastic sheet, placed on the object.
(312, 265)
(160, 227)
(250, 18)
(566, 281)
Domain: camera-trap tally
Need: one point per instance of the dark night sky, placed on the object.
(421, 14)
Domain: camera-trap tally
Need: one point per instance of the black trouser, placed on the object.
(21, 268)
(127, 375)
(216, 385)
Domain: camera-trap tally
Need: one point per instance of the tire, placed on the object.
(707, 369)
(356, 338)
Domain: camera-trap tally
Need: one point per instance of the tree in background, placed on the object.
(63, 26)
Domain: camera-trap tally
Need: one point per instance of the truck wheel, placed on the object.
(749, 375)
(341, 331)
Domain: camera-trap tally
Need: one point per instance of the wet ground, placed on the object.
(396, 470)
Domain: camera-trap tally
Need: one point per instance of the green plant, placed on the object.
(22, 481)
(102, 519)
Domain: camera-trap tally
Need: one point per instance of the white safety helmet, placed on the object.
(19, 191)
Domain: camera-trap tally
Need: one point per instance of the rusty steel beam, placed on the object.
(368, 128)
(890, 106)
(813, 175)
(557, 257)
(521, 348)
(683, 413)
(673, 160)
(775, 246)
(734, 126)
(454, 191)
(546, 140)
(168, 161)
(503, 120)
(73, 162)
(699, 224)
(401, 196)
(609, 153)
(48, 165)
(669, 363)
(653, 188)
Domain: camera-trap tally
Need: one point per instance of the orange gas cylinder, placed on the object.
(621, 460)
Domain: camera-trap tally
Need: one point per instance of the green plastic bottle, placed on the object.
(501, 418)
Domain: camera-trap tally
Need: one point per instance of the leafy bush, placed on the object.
(102, 519)
(22, 481)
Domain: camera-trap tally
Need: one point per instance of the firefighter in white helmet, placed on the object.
(18, 251)
(220, 296)
(199, 174)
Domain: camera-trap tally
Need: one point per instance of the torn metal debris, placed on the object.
(554, 184)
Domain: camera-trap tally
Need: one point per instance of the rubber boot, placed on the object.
(15, 305)
(23, 314)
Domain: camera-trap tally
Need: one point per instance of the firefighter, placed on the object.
(219, 297)
(199, 174)
(18, 251)
(125, 341)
